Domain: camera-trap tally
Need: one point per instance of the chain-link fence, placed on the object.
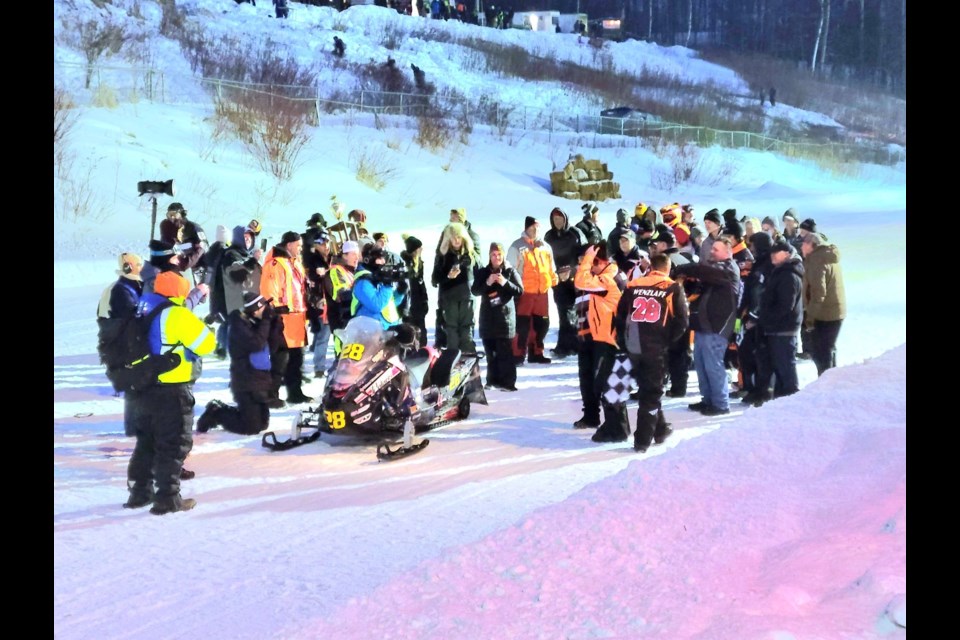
(135, 83)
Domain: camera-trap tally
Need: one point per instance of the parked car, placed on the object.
(625, 120)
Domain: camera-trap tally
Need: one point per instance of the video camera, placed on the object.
(389, 273)
(155, 186)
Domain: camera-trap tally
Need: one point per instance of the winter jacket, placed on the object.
(417, 294)
(651, 315)
(781, 305)
(190, 233)
(824, 295)
(285, 282)
(239, 270)
(497, 307)
(567, 243)
(591, 232)
(177, 327)
(453, 289)
(338, 291)
(597, 302)
(375, 299)
(613, 240)
(714, 310)
(250, 353)
(213, 277)
(316, 302)
(534, 262)
(120, 299)
(626, 263)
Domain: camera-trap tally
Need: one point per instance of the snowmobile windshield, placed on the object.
(362, 339)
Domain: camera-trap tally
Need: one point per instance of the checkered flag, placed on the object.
(618, 383)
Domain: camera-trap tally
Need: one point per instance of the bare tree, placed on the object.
(820, 32)
(95, 39)
(826, 32)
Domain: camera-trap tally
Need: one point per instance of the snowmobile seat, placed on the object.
(440, 374)
(418, 364)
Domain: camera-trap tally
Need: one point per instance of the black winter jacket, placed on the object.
(497, 306)
(248, 336)
(781, 305)
(453, 289)
(591, 232)
(715, 308)
(419, 305)
(567, 243)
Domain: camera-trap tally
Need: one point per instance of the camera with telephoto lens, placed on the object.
(155, 186)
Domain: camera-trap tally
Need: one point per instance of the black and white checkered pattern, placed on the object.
(619, 381)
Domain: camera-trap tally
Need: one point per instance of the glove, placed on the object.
(282, 309)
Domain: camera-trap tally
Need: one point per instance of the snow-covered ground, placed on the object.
(787, 521)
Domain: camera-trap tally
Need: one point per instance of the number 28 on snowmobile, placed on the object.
(386, 390)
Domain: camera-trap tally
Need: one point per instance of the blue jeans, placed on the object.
(321, 340)
(708, 352)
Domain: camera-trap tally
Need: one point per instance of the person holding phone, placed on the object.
(453, 271)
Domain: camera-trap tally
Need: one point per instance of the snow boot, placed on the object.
(646, 424)
(172, 505)
(663, 430)
(616, 424)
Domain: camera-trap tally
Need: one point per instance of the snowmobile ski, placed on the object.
(384, 452)
(270, 441)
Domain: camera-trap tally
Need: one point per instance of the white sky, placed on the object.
(787, 521)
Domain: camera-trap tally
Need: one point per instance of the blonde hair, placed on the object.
(755, 223)
(453, 230)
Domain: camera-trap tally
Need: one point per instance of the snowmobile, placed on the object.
(384, 389)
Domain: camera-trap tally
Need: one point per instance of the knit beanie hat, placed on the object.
(762, 242)
(316, 220)
(350, 247)
(781, 245)
(713, 216)
(460, 214)
(666, 236)
(253, 301)
(770, 221)
(160, 253)
(529, 222)
(734, 229)
(289, 236)
(411, 243)
(791, 213)
(498, 246)
(730, 215)
(809, 225)
(176, 206)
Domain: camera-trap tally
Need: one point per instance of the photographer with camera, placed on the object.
(188, 238)
(378, 289)
(453, 271)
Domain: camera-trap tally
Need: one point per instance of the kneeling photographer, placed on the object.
(378, 289)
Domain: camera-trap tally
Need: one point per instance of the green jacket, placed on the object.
(823, 294)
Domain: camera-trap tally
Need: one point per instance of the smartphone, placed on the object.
(263, 244)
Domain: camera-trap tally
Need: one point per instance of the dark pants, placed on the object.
(458, 319)
(824, 344)
(250, 416)
(679, 359)
(532, 313)
(748, 359)
(647, 370)
(292, 373)
(161, 418)
(501, 369)
(594, 363)
(439, 337)
(783, 359)
(565, 297)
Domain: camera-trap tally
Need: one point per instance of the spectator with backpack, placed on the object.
(161, 414)
(120, 299)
